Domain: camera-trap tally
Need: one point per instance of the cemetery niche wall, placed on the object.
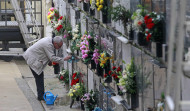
(111, 38)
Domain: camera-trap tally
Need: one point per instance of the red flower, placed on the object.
(149, 26)
(61, 18)
(77, 80)
(116, 77)
(110, 72)
(118, 69)
(105, 75)
(146, 17)
(139, 23)
(61, 77)
(113, 67)
(54, 63)
(148, 37)
(74, 75)
(59, 27)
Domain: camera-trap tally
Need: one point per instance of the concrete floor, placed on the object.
(18, 89)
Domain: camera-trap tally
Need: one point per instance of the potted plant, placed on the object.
(87, 47)
(120, 13)
(127, 83)
(64, 75)
(154, 24)
(139, 25)
(56, 67)
(76, 92)
(92, 7)
(89, 100)
(115, 72)
(103, 5)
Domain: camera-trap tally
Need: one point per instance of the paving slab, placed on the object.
(12, 98)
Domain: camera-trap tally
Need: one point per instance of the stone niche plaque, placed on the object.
(159, 81)
(96, 82)
(90, 80)
(62, 8)
(72, 17)
(118, 52)
(147, 81)
(126, 53)
(83, 23)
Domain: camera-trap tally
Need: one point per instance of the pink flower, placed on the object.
(84, 56)
(52, 8)
(65, 36)
(89, 37)
(83, 52)
(49, 13)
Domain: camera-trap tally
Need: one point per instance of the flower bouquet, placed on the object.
(60, 26)
(87, 47)
(53, 16)
(64, 75)
(76, 78)
(127, 81)
(75, 41)
(89, 100)
(77, 90)
(104, 59)
(155, 32)
(139, 24)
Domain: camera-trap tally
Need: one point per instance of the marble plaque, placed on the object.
(72, 17)
(126, 53)
(159, 81)
(118, 52)
(83, 23)
(90, 80)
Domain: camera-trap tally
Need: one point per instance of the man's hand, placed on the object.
(67, 58)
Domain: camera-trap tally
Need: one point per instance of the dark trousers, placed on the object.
(39, 83)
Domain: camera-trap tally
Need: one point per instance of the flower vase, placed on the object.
(93, 64)
(131, 32)
(108, 79)
(119, 92)
(82, 105)
(56, 68)
(70, 1)
(134, 100)
(156, 49)
(141, 39)
(99, 70)
(92, 12)
(67, 87)
(107, 67)
(86, 7)
(77, 98)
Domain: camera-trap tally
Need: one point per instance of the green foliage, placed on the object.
(120, 13)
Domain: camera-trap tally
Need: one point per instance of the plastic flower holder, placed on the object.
(56, 68)
(141, 39)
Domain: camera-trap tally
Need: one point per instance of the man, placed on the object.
(39, 55)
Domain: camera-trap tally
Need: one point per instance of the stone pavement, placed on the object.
(12, 98)
(52, 84)
(18, 89)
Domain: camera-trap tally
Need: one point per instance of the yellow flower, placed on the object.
(101, 1)
(106, 58)
(98, 9)
(97, 0)
(102, 55)
(49, 20)
(71, 94)
(103, 61)
(90, 1)
(100, 6)
(97, 4)
(101, 64)
(74, 90)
